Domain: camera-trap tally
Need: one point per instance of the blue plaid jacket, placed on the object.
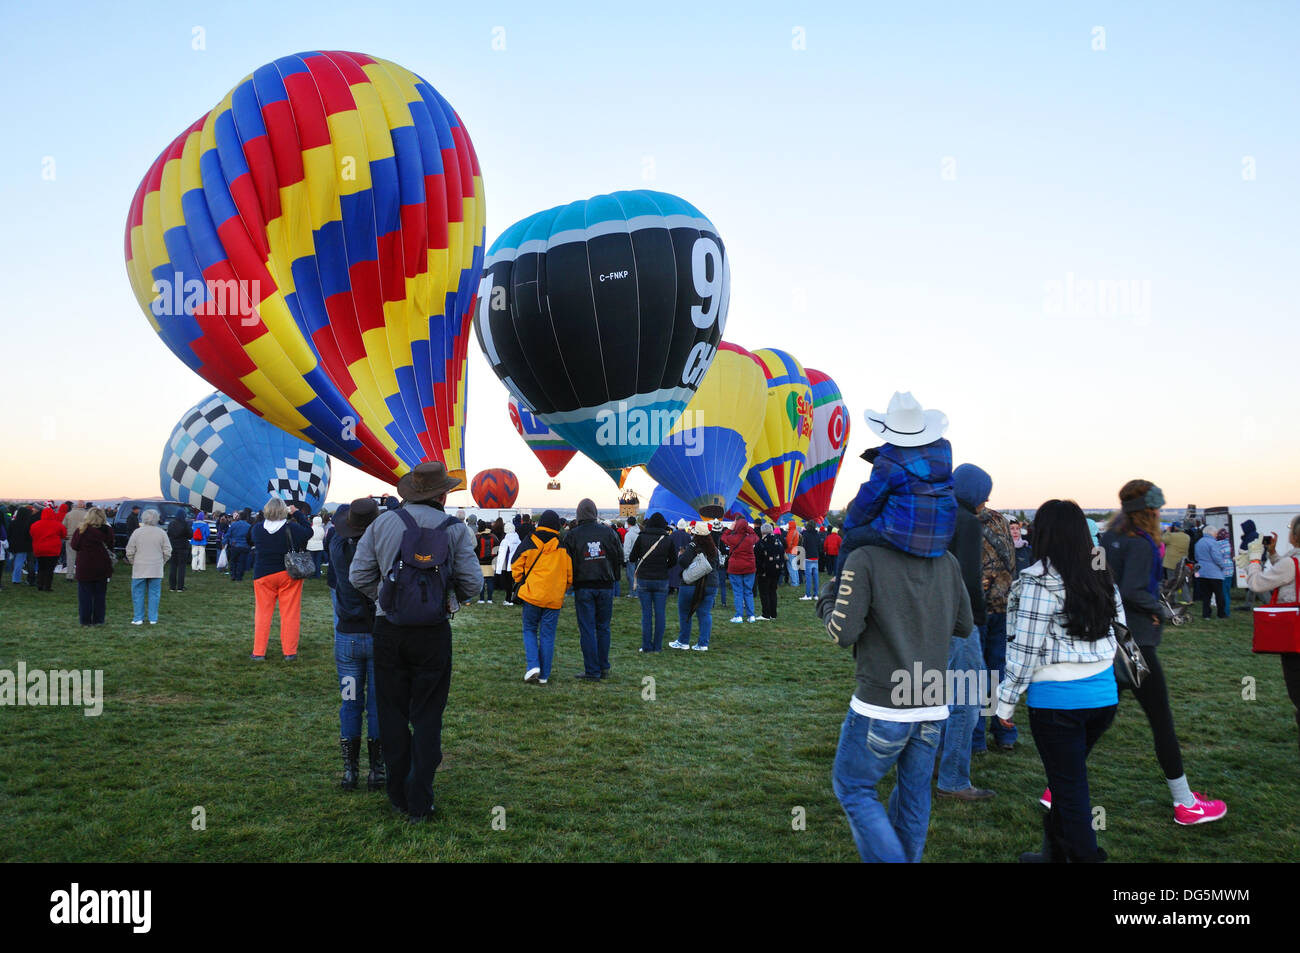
(909, 499)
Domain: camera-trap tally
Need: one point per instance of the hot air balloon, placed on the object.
(830, 438)
(541, 439)
(312, 246)
(603, 316)
(221, 458)
(494, 489)
(707, 452)
(670, 507)
(782, 449)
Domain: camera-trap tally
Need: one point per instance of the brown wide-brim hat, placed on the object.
(360, 514)
(426, 482)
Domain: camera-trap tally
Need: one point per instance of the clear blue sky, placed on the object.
(824, 170)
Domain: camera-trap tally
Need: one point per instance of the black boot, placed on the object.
(1051, 853)
(351, 748)
(377, 779)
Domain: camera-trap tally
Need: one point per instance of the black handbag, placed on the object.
(1130, 667)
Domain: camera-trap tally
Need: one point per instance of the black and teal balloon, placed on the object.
(603, 316)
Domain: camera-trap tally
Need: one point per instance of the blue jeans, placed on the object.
(539, 637)
(140, 589)
(722, 584)
(742, 592)
(685, 596)
(631, 576)
(1226, 601)
(354, 657)
(869, 747)
(794, 570)
(964, 655)
(653, 594)
(317, 557)
(811, 580)
(237, 560)
(595, 607)
(486, 592)
(20, 561)
(995, 662)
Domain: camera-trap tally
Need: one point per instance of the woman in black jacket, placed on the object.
(696, 598)
(20, 544)
(1134, 557)
(178, 533)
(654, 555)
(92, 541)
(769, 557)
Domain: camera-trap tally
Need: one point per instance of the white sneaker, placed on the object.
(532, 674)
(675, 644)
(137, 621)
(699, 648)
(804, 598)
(541, 681)
(753, 618)
(737, 619)
(507, 603)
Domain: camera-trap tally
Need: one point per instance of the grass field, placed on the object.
(711, 769)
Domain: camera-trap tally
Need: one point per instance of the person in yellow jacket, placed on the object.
(543, 573)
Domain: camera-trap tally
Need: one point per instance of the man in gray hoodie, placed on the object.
(413, 662)
(899, 613)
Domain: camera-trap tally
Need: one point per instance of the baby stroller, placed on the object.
(1169, 591)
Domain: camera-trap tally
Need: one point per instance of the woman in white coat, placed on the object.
(147, 551)
(505, 556)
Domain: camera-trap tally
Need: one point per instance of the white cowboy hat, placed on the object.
(906, 424)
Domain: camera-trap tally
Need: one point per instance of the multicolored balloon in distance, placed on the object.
(782, 449)
(672, 508)
(312, 247)
(221, 458)
(830, 438)
(603, 317)
(495, 489)
(546, 445)
(706, 454)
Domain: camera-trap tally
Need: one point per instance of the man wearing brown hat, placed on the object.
(354, 655)
(413, 662)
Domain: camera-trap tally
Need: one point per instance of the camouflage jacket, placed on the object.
(998, 559)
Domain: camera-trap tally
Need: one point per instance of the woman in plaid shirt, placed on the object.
(1061, 649)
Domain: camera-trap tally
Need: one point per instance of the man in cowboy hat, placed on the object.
(354, 623)
(908, 502)
(413, 662)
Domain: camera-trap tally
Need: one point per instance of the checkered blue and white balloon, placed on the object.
(221, 457)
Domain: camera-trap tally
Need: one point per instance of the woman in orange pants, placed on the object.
(273, 536)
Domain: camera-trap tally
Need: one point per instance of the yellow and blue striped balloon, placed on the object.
(782, 449)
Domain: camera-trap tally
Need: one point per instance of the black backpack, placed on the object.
(415, 587)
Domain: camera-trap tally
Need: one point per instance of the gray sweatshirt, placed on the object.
(378, 548)
(896, 611)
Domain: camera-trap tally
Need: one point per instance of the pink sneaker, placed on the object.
(1202, 811)
(1045, 798)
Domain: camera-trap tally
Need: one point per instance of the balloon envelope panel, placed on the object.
(222, 458)
(494, 489)
(708, 451)
(670, 507)
(311, 246)
(545, 443)
(830, 438)
(782, 448)
(603, 315)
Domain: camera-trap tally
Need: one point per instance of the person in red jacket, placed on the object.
(740, 540)
(48, 534)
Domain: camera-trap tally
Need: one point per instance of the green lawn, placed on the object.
(710, 769)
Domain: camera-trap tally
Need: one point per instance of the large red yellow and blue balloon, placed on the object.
(706, 454)
(603, 316)
(312, 246)
(830, 438)
(495, 489)
(782, 447)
